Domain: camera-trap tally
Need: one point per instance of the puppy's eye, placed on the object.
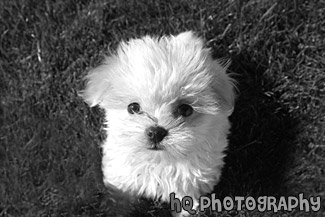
(185, 110)
(134, 108)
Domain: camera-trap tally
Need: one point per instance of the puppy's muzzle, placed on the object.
(155, 135)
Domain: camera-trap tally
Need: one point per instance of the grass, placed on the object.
(49, 138)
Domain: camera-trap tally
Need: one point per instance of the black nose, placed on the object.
(156, 134)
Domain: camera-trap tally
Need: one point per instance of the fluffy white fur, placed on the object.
(160, 74)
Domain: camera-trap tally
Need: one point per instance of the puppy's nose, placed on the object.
(156, 134)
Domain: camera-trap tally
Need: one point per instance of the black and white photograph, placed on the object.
(152, 108)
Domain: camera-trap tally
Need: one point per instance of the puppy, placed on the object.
(167, 104)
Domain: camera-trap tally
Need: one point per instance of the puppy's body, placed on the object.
(167, 105)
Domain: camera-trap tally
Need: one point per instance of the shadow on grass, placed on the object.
(261, 139)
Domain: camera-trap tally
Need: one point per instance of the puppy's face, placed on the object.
(165, 99)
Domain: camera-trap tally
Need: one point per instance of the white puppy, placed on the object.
(167, 104)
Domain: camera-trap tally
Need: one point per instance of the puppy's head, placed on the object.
(164, 98)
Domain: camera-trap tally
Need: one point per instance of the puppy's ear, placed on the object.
(222, 83)
(224, 86)
(97, 85)
(189, 38)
